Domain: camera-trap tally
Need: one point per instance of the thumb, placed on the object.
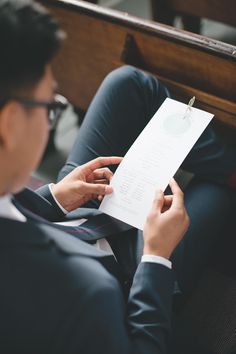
(158, 201)
(100, 189)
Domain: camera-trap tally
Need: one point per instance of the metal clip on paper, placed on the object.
(189, 108)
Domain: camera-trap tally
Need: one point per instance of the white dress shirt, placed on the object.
(8, 209)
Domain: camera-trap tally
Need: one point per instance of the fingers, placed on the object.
(178, 196)
(100, 198)
(101, 181)
(158, 201)
(162, 202)
(101, 162)
(168, 199)
(178, 203)
(96, 189)
(102, 174)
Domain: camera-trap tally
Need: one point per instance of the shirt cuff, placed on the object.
(156, 259)
(56, 201)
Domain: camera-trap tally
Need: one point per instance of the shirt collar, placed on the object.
(8, 210)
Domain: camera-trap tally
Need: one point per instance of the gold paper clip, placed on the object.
(189, 108)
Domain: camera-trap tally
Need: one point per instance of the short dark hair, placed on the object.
(29, 39)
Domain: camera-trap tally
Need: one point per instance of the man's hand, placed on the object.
(86, 182)
(166, 223)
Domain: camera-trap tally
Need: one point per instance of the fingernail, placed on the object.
(108, 190)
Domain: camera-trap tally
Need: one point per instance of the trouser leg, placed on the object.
(209, 207)
(122, 106)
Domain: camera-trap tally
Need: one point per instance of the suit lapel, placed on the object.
(36, 234)
(98, 226)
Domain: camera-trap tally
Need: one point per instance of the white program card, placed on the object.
(152, 160)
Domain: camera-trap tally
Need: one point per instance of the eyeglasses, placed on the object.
(55, 107)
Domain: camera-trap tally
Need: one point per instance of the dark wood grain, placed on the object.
(193, 10)
(97, 43)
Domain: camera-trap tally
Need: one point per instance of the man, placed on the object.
(57, 294)
(60, 294)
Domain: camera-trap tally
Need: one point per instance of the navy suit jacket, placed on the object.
(62, 295)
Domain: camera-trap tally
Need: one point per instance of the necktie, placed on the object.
(94, 228)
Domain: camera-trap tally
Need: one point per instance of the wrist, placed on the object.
(58, 194)
(150, 258)
(50, 186)
(54, 191)
(156, 252)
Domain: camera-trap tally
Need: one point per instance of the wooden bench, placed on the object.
(192, 11)
(100, 40)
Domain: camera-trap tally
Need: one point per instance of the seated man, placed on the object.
(60, 294)
(125, 102)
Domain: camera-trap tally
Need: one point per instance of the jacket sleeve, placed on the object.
(55, 211)
(41, 203)
(149, 308)
(108, 325)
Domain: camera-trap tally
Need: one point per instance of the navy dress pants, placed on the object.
(125, 102)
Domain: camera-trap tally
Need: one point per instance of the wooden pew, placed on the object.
(193, 10)
(100, 40)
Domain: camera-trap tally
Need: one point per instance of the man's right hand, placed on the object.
(166, 223)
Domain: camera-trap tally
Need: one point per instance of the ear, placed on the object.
(10, 125)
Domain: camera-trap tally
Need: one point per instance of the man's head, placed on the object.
(29, 39)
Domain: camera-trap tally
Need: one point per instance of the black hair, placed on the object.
(29, 39)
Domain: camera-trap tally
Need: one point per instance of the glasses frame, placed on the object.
(55, 107)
